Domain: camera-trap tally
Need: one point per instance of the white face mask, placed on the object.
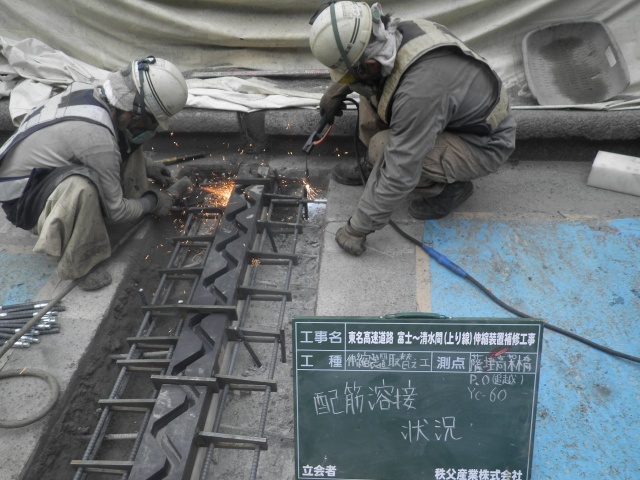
(386, 41)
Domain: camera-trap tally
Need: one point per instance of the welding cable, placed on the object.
(445, 262)
(53, 397)
(356, 141)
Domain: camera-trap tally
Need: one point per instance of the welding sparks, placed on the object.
(312, 193)
(220, 192)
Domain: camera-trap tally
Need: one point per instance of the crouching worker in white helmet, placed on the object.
(74, 166)
(433, 114)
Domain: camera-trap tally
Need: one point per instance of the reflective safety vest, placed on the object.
(77, 102)
(420, 37)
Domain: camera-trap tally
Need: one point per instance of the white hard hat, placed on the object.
(161, 88)
(339, 35)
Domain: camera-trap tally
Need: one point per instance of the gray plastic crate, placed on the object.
(574, 63)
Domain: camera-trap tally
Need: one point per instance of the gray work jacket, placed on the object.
(438, 88)
(75, 103)
(72, 128)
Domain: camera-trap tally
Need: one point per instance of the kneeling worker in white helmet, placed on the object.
(74, 166)
(433, 114)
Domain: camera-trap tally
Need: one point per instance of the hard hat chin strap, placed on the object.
(336, 35)
(143, 66)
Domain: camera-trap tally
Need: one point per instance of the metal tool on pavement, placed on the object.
(22, 339)
(18, 307)
(180, 159)
(45, 310)
(14, 317)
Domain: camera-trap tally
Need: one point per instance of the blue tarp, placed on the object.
(23, 276)
(583, 277)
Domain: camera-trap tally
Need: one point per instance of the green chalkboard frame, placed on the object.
(415, 396)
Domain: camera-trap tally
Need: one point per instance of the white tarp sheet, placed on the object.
(34, 71)
(89, 37)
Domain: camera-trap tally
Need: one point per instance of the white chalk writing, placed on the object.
(351, 399)
(439, 430)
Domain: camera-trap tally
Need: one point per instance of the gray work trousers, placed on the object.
(452, 159)
(72, 228)
(71, 225)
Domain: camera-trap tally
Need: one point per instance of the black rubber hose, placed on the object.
(359, 161)
(53, 397)
(460, 272)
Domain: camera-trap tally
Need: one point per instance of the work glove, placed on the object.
(351, 240)
(332, 102)
(165, 199)
(158, 173)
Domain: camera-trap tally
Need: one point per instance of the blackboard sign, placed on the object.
(405, 397)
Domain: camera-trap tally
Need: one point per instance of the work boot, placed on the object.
(349, 174)
(95, 280)
(453, 195)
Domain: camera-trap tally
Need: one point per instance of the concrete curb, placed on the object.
(258, 128)
(532, 123)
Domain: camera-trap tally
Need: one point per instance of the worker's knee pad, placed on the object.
(377, 144)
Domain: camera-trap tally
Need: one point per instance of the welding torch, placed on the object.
(315, 138)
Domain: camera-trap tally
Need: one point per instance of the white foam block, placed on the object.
(612, 171)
